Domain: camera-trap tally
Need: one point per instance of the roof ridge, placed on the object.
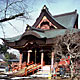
(69, 13)
(54, 29)
(33, 28)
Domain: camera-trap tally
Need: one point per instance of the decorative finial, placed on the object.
(75, 10)
(44, 7)
(27, 24)
(28, 27)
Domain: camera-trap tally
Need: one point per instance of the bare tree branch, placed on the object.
(12, 17)
(68, 44)
(13, 26)
(6, 8)
(3, 30)
(13, 9)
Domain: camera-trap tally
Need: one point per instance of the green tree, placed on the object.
(10, 56)
(3, 49)
(7, 56)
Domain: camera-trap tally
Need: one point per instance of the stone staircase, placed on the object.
(44, 72)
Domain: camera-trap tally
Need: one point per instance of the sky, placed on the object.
(55, 7)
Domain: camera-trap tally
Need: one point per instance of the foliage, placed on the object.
(10, 56)
(3, 49)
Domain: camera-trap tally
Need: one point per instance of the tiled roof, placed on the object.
(67, 19)
(12, 39)
(42, 34)
(56, 32)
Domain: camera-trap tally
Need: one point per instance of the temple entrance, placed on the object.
(24, 57)
(35, 56)
(47, 58)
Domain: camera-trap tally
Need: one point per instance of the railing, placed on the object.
(32, 69)
(27, 70)
(17, 67)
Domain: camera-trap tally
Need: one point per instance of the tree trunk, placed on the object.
(72, 67)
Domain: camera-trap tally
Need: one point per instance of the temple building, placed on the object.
(36, 43)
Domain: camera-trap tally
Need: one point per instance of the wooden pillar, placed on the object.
(28, 59)
(35, 56)
(20, 61)
(42, 58)
(52, 61)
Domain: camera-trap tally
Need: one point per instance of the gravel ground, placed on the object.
(6, 78)
(44, 79)
(58, 78)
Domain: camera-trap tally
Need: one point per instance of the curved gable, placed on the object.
(33, 33)
(45, 16)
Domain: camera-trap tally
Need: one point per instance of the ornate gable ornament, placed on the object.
(46, 17)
